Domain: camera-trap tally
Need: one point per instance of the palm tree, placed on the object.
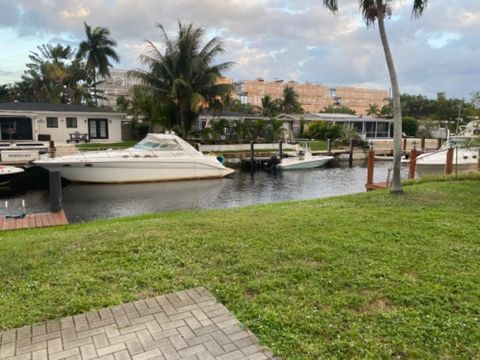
(269, 106)
(290, 104)
(98, 49)
(183, 74)
(47, 74)
(373, 10)
(373, 110)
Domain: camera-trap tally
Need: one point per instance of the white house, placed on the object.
(42, 122)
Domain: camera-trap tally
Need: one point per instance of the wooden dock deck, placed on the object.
(376, 186)
(34, 221)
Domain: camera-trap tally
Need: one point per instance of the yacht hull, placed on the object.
(297, 164)
(135, 171)
(464, 160)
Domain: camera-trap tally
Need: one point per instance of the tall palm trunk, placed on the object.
(95, 86)
(397, 109)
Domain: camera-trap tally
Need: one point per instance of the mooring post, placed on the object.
(55, 180)
(449, 163)
(413, 162)
(280, 149)
(51, 148)
(478, 158)
(329, 147)
(370, 167)
(252, 156)
(350, 154)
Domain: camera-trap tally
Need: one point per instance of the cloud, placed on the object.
(293, 40)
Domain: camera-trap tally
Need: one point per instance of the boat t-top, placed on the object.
(158, 157)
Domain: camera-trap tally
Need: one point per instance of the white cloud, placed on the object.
(293, 40)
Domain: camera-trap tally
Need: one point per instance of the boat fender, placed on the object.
(221, 159)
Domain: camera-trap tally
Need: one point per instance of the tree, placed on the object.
(98, 49)
(290, 104)
(270, 107)
(47, 74)
(5, 93)
(410, 125)
(373, 110)
(323, 130)
(331, 109)
(376, 10)
(183, 74)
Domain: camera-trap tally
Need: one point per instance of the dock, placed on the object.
(36, 220)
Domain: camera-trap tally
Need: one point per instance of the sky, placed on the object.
(274, 39)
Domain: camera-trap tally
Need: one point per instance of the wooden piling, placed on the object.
(280, 149)
(422, 144)
(405, 144)
(329, 147)
(252, 156)
(55, 182)
(51, 148)
(413, 164)
(439, 143)
(370, 167)
(478, 158)
(449, 163)
(350, 154)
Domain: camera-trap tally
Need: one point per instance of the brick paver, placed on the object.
(188, 324)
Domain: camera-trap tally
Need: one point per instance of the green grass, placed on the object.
(372, 275)
(318, 145)
(103, 146)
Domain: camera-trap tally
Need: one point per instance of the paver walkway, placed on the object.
(188, 324)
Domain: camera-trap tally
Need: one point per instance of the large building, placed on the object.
(312, 96)
(118, 84)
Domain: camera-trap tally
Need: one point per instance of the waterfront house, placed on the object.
(59, 122)
(366, 127)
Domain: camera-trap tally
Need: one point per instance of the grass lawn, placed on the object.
(318, 145)
(371, 275)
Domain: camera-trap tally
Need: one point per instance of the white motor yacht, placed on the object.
(303, 160)
(465, 154)
(158, 157)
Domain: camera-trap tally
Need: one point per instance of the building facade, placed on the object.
(312, 96)
(58, 122)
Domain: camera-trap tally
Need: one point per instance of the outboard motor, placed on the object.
(273, 162)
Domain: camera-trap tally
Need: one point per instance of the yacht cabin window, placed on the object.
(160, 145)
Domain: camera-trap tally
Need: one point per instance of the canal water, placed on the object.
(83, 202)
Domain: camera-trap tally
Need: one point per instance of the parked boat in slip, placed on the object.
(303, 160)
(158, 157)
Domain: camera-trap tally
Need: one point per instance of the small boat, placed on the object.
(7, 173)
(303, 160)
(158, 157)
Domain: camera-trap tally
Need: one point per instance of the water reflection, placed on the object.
(91, 201)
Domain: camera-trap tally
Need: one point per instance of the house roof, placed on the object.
(33, 107)
(336, 117)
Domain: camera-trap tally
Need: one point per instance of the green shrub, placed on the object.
(322, 130)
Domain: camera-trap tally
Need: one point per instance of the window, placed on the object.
(71, 122)
(332, 92)
(52, 122)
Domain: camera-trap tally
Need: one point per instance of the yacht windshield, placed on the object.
(160, 145)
